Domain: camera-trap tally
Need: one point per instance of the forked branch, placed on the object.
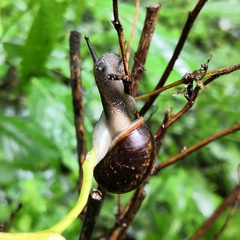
(188, 25)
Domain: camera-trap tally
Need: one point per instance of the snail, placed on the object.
(125, 149)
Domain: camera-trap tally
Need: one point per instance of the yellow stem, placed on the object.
(87, 167)
(54, 233)
(159, 90)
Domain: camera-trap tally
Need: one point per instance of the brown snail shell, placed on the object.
(129, 160)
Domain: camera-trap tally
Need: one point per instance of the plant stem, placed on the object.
(54, 233)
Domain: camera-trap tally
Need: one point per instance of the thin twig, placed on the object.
(118, 26)
(188, 25)
(223, 71)
(214, 73)
(207, 225)
(194, 147)
(13, 215)
(159, 137)
(128, 214)
(133, 29)
(187, 106)
(231, 213)
(119, 205)
(143, 46)
(159, 90)
(76, 84)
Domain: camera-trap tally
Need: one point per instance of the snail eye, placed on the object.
(100, 67)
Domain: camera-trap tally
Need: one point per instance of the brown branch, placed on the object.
(223, 71)
(193, 148)
(188, 25)
(94, 204)
(13, 215)
(118, 26)
(159, 137)
(119, 205)
(133, 29)
(187, 106)
(230, 215)
(143, 46)
(128, 214)
(76, 84)
(207, 225)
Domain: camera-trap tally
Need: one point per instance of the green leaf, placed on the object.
(23, 145)
(42, 38)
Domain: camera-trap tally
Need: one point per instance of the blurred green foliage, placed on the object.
(38, 163)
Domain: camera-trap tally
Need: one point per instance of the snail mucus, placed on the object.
(124, 147)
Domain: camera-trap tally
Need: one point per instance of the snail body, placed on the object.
(124, 147)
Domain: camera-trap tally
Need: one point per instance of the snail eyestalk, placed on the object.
(94, 55)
